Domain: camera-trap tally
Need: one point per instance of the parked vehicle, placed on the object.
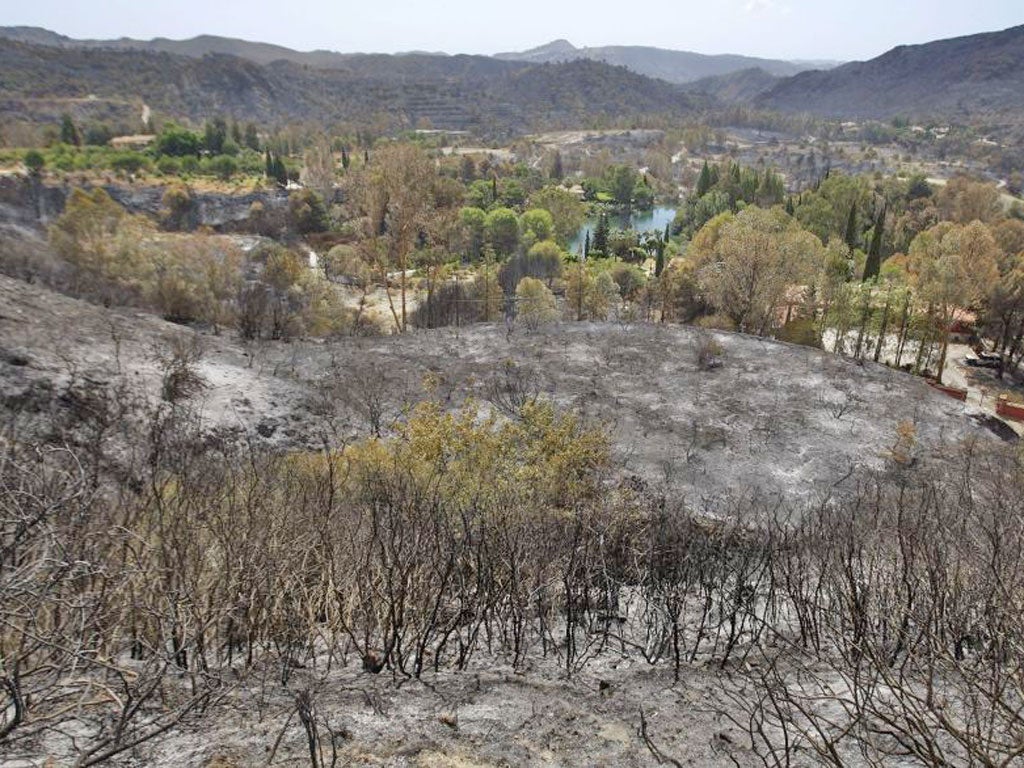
(988, 361)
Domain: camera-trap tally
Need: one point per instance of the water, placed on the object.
(653, 220)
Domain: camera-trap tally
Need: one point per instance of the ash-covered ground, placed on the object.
(767, 419)
(753, 417)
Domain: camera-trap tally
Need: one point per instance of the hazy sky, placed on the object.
(789, 29)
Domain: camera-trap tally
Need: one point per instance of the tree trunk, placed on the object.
(885, 326)
(904, 322)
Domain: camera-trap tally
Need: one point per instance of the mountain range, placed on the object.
(491, 97)
(555, 85)
(673, 66)
(959, 78)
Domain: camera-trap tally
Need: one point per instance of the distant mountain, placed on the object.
(740, 87)
(480, 93)
(673, 66)
(196, 47)
(959, 78)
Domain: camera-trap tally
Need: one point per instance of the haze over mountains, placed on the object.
(555, 85)
(673, 66)
(670, 65)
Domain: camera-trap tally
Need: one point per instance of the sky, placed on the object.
(783, 29)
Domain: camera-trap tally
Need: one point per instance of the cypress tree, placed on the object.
(252, 138)
(659, 262)
(873, 265)
(270, 165)
(557, 171)
(601, 235)
(68, 132)
(704, 180)
(494, 189)
(345, 159)
(586, 245)
(851, 228)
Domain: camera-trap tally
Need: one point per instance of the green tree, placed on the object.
(222, 166)
(399, 200)
(599, 246)
(537, 224)
(473, 222)
(622, 181)
(704, 181)
(34, 161)
(214, 135)
(851, 238)
(306, 212)
(953, 266)
(873, 265)
(535, 303)
(567, 211)
(757, 257)
(178, 207)
(557, 171)
(178, 142)
(545, 259)
(68, 132)
(502, 227)
(251, 138)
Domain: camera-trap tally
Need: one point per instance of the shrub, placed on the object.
(34, 161)
(708, 351)
(716, 322)
(536, 303)
(801, 331)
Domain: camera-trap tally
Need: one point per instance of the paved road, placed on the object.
(979, 396)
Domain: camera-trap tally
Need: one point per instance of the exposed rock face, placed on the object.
(35, 203)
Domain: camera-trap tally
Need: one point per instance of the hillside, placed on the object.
(670, 65)
(739, 87)
(673, 66)
(778, 421)
(959, 78)
(414, 90)
(196, 47)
